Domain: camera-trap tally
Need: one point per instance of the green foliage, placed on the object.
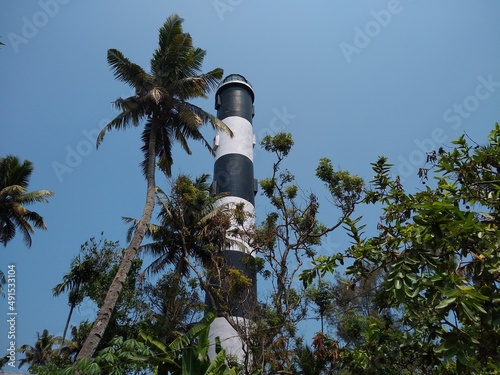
(441, 249)
(161, 106)
(42, 353)
(14, 180)
(286, 239)
(188, 355)
(190, 226)
(420, 296)
(344, 188)
(280, 144)
(171, 307)
(91, 272)
(3, 281)
(238, 282)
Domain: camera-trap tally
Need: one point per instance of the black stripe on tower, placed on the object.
(235, 99)
(233, 175)
(241, 299)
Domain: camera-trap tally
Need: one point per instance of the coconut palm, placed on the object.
(95, 258)
(72, 282)
(161, 104)
(190, 223)
(192, 230)
(42, 353)
(14, 180)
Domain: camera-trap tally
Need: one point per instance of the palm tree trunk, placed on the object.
(73, 297)
(66, 327)
(96, 333)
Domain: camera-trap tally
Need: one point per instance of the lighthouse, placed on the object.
(234, 179)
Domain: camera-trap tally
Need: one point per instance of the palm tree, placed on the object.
(95, 258)
(14, 180)
(161, 100)
(71, 282)
(193, 225)
(42, 353)
(189, 220)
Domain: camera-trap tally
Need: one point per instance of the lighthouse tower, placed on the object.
(234, 178)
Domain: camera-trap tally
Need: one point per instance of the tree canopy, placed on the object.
(14, 181)
(440, 250)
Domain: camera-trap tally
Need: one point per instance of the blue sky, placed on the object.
(351, 80)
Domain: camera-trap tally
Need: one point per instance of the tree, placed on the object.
(14, 180)
(42, 353)
(191, 237)
(287, 237)
(72, 282)
(189, 226)
(94, 260)
(162, 101)
(361, 336)
(189, 354)
(172, 307)
(441, 251)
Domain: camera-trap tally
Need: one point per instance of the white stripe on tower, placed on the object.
(234, 177)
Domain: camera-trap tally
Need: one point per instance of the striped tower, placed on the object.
(234, 177)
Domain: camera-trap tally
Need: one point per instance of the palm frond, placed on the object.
(151, 229)
(12, 191)
(131, 115)
(126, 71)
(12, 172)
(186, 339)
(7, 231)
(25, 228)
(36, 219)
(169, 30)
(34, 196)
(206, 117)
(195, 86)
(201, 182)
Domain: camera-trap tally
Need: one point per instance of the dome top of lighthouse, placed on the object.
(233, 79)
(236, 77)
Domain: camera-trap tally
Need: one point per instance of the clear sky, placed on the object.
(351, 80)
